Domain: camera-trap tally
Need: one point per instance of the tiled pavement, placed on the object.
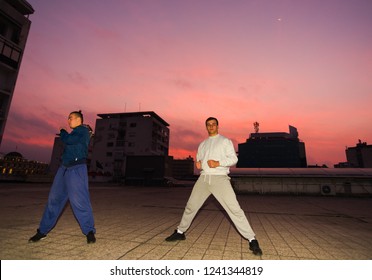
(132, 223)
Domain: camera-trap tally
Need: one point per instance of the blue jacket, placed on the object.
(75, 145)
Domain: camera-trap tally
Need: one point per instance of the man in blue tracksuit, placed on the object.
(71, 182)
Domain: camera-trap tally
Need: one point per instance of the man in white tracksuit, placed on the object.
(214, 158)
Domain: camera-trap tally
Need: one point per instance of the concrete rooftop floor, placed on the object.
(132, 223)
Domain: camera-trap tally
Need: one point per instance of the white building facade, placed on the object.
(118, 135)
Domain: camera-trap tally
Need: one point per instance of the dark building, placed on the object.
(147, 170)
(360, 155)
(156, 170)
(272, 149)
(13, 166)
(183, 168)
(14, 28)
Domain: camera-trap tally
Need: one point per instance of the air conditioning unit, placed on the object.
(327, 190)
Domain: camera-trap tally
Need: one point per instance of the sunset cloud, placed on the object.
(193, 59)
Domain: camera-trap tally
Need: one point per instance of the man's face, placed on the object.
(212, 127)
(73, 121)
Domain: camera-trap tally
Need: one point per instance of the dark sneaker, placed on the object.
(91, 238)
(176, 236)
(255, 248)
(37, 237)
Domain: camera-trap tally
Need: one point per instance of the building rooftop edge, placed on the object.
(22, 6)
(128, 114)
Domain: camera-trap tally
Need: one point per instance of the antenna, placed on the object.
(256, 126)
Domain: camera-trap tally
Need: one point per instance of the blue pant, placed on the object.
(69, 184)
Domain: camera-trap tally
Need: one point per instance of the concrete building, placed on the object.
(360, 155)
(119, 135)
(14, 29)
(272, 149)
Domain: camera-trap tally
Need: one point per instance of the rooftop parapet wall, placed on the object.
(304, 181)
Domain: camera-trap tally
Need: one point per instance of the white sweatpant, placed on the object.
(220, 187)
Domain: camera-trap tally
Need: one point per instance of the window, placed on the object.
(111, 135)
(2, 27)
(9, 29)
(120, 143)
(15, 34)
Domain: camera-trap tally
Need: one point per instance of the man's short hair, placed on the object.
(211, 119)
(78, 114)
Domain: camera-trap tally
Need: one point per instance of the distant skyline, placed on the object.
(282, 62)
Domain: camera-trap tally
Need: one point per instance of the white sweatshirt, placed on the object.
(217, 148)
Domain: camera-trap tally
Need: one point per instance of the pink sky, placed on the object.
(302, 63)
